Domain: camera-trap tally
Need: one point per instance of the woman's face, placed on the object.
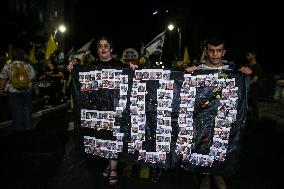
(104, 50)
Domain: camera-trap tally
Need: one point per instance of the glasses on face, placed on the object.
(106, 46)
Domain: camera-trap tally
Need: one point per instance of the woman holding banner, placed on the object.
(105, 61)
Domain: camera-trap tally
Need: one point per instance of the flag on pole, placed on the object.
(85, 47)
(83, 51)
(70, 53)
(186, 59)
(51, 47)
(32, 54)
(156, 45)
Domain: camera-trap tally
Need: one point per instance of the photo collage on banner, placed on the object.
(226, 114)
(138, 116)
(133, 95)
(92, 81)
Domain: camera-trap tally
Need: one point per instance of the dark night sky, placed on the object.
(129, 23)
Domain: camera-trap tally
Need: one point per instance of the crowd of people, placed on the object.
(46, 79)
(55, 83)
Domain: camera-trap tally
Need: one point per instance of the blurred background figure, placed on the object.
(253, 111)
(52, 83)
(20, 99)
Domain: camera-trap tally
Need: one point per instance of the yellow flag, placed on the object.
(32, 54)
(186, 59)
(142, 60)
(51, 47)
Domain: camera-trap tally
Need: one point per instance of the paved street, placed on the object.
(47, 158)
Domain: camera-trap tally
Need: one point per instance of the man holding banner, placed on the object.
(215, 51)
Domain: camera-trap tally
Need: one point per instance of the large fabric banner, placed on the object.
(162, 118)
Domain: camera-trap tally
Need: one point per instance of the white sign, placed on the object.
(130, 54)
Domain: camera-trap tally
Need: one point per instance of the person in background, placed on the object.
(73, 62)
(20, 100)
(56, 76)
(214, 52)
(253, 113)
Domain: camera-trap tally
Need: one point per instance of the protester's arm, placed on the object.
(59, 74)
(245, 70)
(2, 86)
(69, 80)
(133, 66)
(254, 79)
(3, 79)
(191, 69)
(280, 82)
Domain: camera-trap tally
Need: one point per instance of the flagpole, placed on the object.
(179, 43)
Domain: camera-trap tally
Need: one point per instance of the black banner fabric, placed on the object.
(162, 118)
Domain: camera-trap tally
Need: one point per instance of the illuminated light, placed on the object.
(62, 28)
(154, 13)
(171, 27)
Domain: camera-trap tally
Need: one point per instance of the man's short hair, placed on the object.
(252, 50)
(215, 41)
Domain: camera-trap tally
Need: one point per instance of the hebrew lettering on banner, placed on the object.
(162, 118)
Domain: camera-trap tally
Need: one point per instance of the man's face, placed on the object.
(215, 54)
(250, 56)
(104, 50)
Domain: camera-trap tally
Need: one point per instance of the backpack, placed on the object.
(20, 78)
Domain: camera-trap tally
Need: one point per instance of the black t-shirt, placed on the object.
(110, 64)
(105, 96)
(256, 71)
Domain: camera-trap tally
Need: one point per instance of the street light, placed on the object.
(62, 29)
(171, 27)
